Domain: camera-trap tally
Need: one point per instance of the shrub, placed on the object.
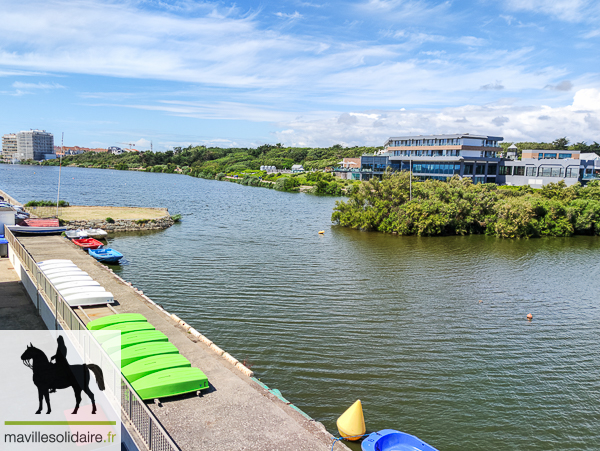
(176, 218)
(46, 203)
(110, 220)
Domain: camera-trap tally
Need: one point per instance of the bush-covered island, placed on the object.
(457, 207)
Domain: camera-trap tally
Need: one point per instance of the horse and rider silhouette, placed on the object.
(48, 376)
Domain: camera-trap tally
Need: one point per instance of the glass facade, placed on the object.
(435, 168)
(468, 169)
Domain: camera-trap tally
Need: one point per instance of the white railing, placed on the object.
(153, 434)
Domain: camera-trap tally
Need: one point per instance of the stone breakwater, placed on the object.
(123, 225)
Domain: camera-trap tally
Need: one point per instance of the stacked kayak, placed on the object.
(151, 364)
(74, 285)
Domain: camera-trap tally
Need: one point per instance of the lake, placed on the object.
(430, 333)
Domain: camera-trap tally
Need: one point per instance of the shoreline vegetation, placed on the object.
(457, 207)
(237, 165)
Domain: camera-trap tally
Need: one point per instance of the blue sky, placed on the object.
(303, 73)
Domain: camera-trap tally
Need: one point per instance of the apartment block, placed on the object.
(35, 145)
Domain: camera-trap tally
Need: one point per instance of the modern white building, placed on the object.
(35, 145)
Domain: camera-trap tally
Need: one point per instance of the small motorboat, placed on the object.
(76, 234)
(392, 440)
(88, 243)
(96, 233)
(106, 255)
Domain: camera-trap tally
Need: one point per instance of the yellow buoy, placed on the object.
(351, 424)
(321, 232)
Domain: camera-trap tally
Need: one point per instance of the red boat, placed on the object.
(88, 243)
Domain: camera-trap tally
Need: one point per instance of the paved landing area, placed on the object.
(17, 312)
(235, 413)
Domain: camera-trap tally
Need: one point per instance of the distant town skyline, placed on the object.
(300, 73)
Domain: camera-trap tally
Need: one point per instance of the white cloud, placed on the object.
(580, 121)
(567, 10)
(45, 86)
(295, 15)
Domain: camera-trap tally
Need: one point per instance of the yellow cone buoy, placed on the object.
(351, 424)
(321, 232)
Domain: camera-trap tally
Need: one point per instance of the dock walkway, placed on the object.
(236, 413)
(17, 312)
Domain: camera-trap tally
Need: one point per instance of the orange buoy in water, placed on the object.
(321, 232)
(529, 316)
(351, 424)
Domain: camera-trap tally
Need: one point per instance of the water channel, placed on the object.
(430, 333)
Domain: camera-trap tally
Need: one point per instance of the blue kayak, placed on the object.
(106, 255)
(392, 440)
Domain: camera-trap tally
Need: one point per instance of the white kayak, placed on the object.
(71, 273)
(62, 270)
(72, 278)
(86, 289)
(53, 261)
(90, 298)
(76, 284)
(49, 266)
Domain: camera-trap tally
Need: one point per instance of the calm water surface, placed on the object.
(394, 321)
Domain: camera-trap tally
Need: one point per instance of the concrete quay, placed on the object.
(235, 413)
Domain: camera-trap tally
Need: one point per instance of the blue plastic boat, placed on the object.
(392, 440)
(106, 255)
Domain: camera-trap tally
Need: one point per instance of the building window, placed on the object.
(556, 172)
(531, 171)
(491, 169)
(480, 169)
(519, 170)
(572, 173)
(506, 170)
(550, 156)
(468, 169)
(564, 155)
(478, 180)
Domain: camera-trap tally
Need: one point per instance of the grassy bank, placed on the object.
(458, 207)
(93, 213)
(239, 165)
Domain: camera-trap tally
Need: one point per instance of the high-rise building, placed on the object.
(9, 147)
(34, 145)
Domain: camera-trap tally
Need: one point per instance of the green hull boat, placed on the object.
(107, 333)
(106, 321)
(154, 364)
(132, 339)
(175, 381)
(141, 351)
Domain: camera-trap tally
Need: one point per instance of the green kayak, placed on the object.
(154, 364)
(174, 381)
(109, 320)
(107, 333)
(132, 339)
(141, 351)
